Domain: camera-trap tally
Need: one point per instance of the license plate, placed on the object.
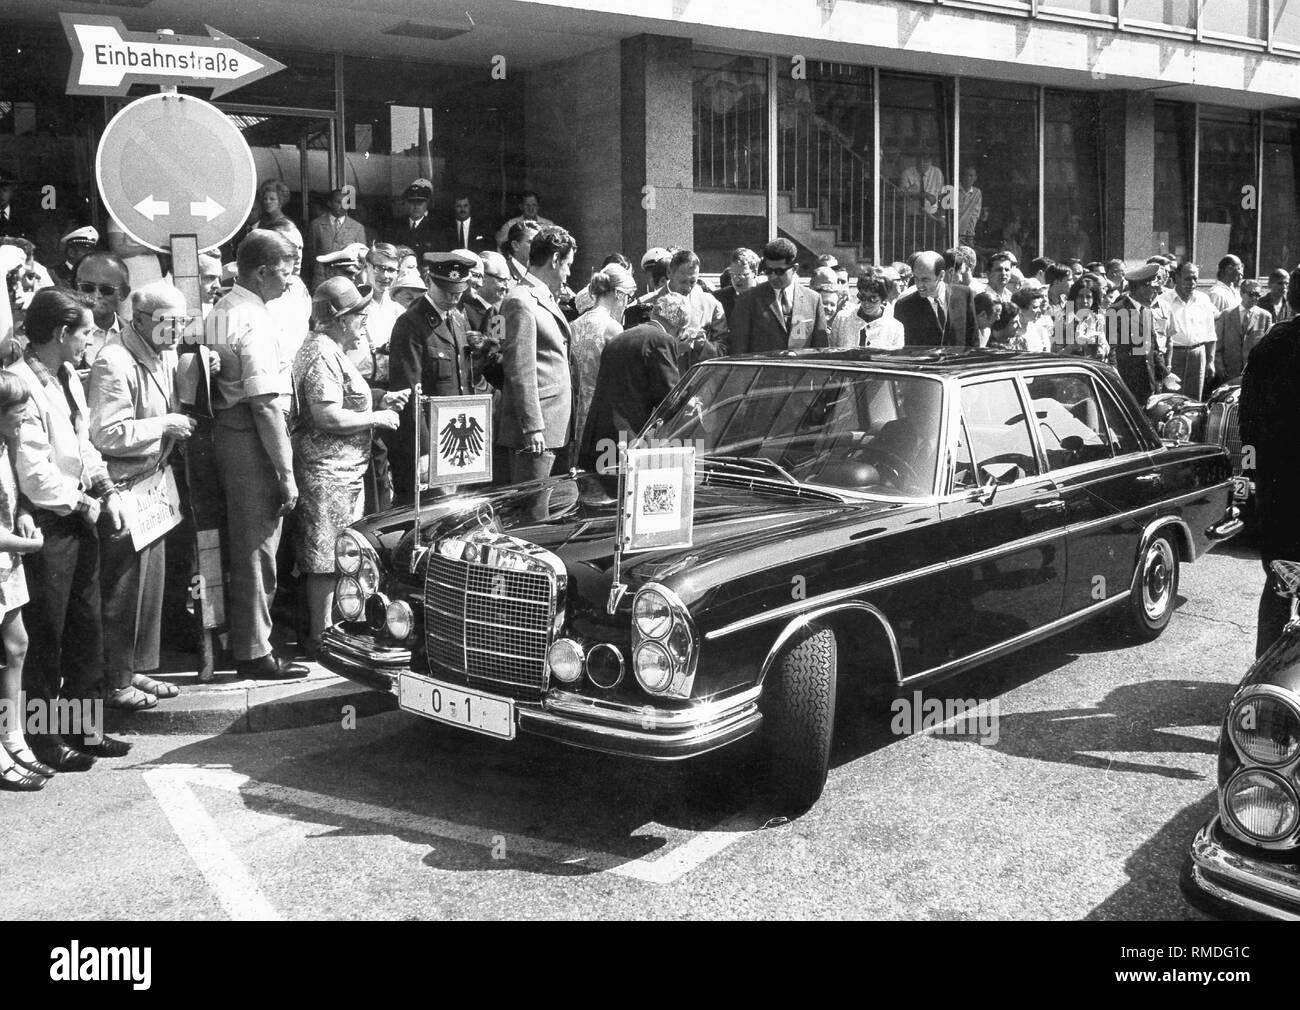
(1240, 489)
(446, 703)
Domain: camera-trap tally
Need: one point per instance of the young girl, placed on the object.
(19, 768)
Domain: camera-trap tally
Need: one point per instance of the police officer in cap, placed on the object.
(429, 346)
(77, 245)
(347, 262)
(1131, 330)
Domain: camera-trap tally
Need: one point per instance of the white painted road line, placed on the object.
(172, 785)
(237, 892)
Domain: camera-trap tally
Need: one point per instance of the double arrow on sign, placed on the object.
(151, 208)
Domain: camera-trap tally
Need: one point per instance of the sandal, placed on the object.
(18, 780)
(28, 761)
(130, 699)
(157, 688)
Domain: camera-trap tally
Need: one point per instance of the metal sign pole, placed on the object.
(416, 406)
(617, 588)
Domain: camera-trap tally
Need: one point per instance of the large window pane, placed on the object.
(1174, 140)
(306, 82)
(47, 139)
(1072, 183)
(405, 122)
(1226, 214)
(729, 98)
(1286, 22)
(916, 152)
(1235, 17)
(824, 160)
(1106, 7)
(1176, 13)
(999, 142)
(1280, 223)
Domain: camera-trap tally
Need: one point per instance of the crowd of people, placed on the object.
(308, 402)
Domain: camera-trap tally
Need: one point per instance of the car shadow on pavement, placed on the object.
(549, 809)
(1134, 719)
(1153, 870)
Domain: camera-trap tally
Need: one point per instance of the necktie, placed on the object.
(66, 375)
(940, 315)
(783, 297)
(462, 239)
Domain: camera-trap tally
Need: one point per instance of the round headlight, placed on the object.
(349, 599)
(604, 666)
(1261, 805)
(398, 620)
(347, 553)
(368, 576)
(652, 614)
(565, 660)
(1266, 729)
(1178, 428)
(653, 667)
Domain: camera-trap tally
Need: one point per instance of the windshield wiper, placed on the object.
(757, 463)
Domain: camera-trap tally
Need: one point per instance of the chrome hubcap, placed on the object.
(1157, 579)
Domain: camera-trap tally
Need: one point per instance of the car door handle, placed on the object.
(1149, 478)
(1050, 506)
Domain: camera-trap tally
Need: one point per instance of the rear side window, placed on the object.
(1071, 424)
(996, 433)
(1119, 432)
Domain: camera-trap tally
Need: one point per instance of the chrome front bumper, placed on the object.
(1230, 884)
(641, 731)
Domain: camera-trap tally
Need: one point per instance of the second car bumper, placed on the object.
(1221, 879)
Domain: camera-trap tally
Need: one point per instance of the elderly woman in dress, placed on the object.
(335, 415)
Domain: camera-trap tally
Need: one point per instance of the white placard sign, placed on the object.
(460, 440)
(658, 499)
(152, 508)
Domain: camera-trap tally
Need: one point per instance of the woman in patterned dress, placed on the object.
(612, 287)
(335, 412)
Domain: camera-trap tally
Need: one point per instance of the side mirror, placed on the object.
(986, 491)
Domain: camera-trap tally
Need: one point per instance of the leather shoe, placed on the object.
(27, 760)
(108, 747)
(269, 667)
(56, 753)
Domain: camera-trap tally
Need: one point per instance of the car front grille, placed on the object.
(1224, 428)
(490, 624)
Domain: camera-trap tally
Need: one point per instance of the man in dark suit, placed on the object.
(637, 369)
(465, 230)
(936, 313)
(537, 397)
(331, 231)
(780, 313)
(429, 346)
(415, 231)
(1270, 424)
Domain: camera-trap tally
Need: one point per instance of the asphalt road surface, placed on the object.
(1077, 802)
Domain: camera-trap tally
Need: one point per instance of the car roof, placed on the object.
(953, 362)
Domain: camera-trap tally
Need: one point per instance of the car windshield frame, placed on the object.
(655, 433)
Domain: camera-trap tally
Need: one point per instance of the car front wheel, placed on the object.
(1151, 603)
(799, 706)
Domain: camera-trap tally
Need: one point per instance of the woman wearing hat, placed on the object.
(612, 287)
(335, 413)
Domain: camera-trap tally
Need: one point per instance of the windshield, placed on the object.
(850, 429)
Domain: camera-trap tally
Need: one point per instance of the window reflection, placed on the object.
(915, 153)
(999, 141)
(1175, 137)
(1072, 184)
(1175, 13)
(1280, 226)
(1226, 214)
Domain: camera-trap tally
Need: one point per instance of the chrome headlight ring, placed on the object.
(660, 619)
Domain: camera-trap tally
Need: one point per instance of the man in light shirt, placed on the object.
(1226, 292)
(1189, 318)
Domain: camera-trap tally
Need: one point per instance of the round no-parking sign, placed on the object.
(170, 164)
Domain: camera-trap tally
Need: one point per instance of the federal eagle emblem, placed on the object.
(461, 440)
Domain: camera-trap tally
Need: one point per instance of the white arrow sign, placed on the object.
(207, 210)
(151, 208)
(108, 59)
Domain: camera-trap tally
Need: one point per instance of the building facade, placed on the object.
(1070, 128)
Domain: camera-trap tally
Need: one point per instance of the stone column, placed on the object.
(1128, 137)
(657, 140)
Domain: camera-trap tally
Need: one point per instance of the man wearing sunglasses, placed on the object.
(103, 277)
(778, 313)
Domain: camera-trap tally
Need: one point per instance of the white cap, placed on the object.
(87, 234)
